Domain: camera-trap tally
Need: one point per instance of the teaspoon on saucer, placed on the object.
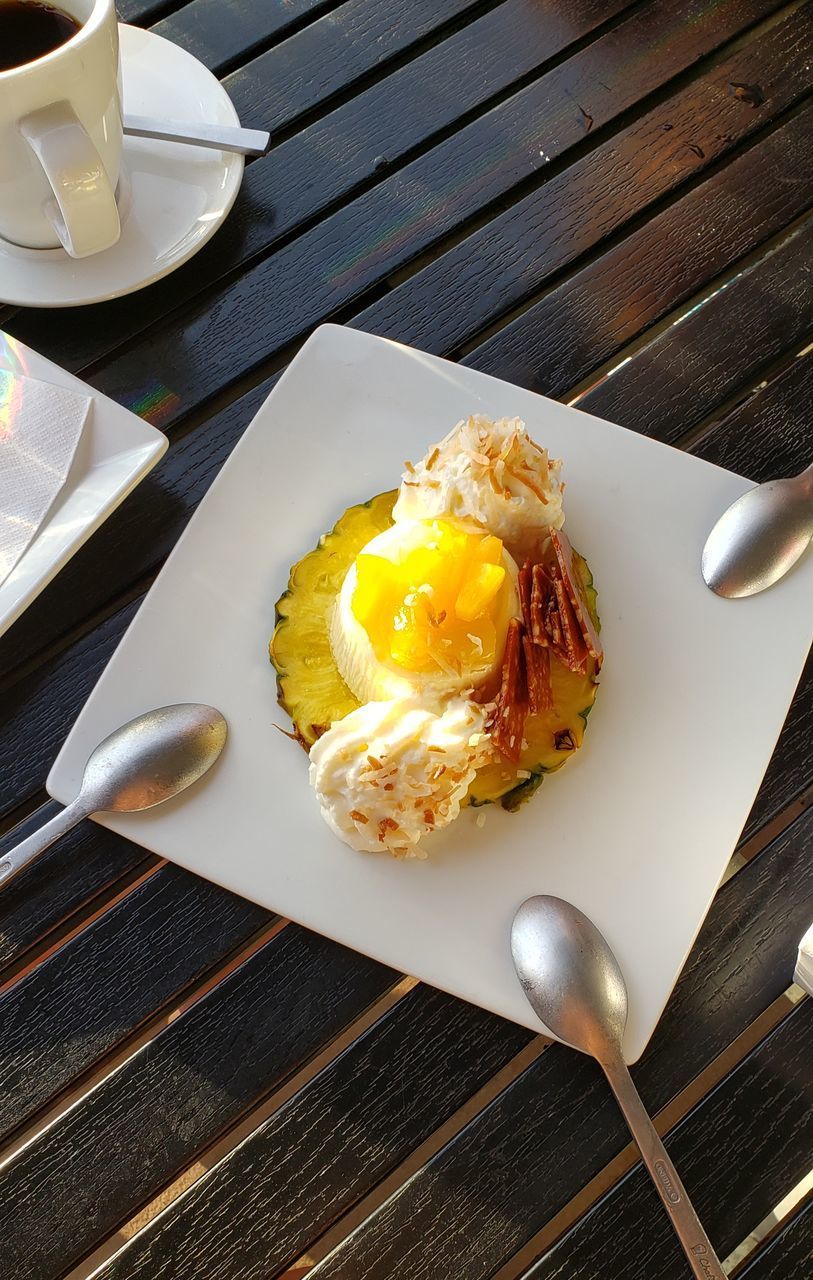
(218, 137)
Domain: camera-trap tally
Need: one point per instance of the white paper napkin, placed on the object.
(40, 427)
(804, 963)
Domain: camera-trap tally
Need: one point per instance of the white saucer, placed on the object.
(116, 450)
(172, 197)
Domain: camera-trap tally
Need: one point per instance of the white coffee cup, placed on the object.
(60, 139)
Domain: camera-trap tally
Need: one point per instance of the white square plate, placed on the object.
(636, 830)
(116, 450)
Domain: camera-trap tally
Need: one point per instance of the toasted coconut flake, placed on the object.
(432, 459)
(526, 480)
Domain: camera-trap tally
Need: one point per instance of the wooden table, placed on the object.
(604, 201)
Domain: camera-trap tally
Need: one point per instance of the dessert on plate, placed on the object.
(440, 646)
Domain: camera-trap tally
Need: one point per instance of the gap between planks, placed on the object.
(746, 391)
(674, 318)
(132, 1043)
(590, 143)
(771, 1225)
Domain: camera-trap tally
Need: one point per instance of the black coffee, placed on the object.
(29, 30)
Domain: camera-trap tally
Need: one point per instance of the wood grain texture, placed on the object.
(787, 1256)
(790, 763)
(64, 878)
(523, 1158)
(338, 1137)
(283, 1185)
(358, 142)
(57, 693)
(774, 427)
(734, 1170)
(723, 344)
(218, 32)
(91, 993)
(142, 12)
(579, 324)
(234, 328)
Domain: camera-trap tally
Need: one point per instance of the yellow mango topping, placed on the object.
(441, 605)
(480, 586)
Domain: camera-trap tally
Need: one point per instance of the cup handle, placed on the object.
(83, 209)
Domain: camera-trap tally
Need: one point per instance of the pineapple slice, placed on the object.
(313, 693)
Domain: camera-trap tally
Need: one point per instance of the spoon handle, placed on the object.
(27, 850)
(696, 1244)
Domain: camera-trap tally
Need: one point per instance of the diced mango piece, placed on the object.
(489, 549)
(480, 586)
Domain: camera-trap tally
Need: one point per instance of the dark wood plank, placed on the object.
(380, 1119)
(724, 341)
(356, 143)
(787, 1256)
(143, 12)
(789, 771)
(236, 327)
(67, 876)
(218, 32)
(62, 689)
(330, 55)
(774, 427)
(735, 1168)
(284, 1184)
(91, 993)
(526, 1155)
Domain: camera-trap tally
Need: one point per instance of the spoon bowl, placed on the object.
(142, 764)
(571, 978)
(760, 537)
(153, 758)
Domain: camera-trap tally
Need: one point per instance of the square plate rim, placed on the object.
(309, 349)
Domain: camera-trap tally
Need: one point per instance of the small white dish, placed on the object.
(636, 830)
(115, 451)
(172, 197)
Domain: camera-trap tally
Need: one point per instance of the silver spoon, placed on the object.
(759, 537)
(145, 762)
(574, 984)
(217, 137)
